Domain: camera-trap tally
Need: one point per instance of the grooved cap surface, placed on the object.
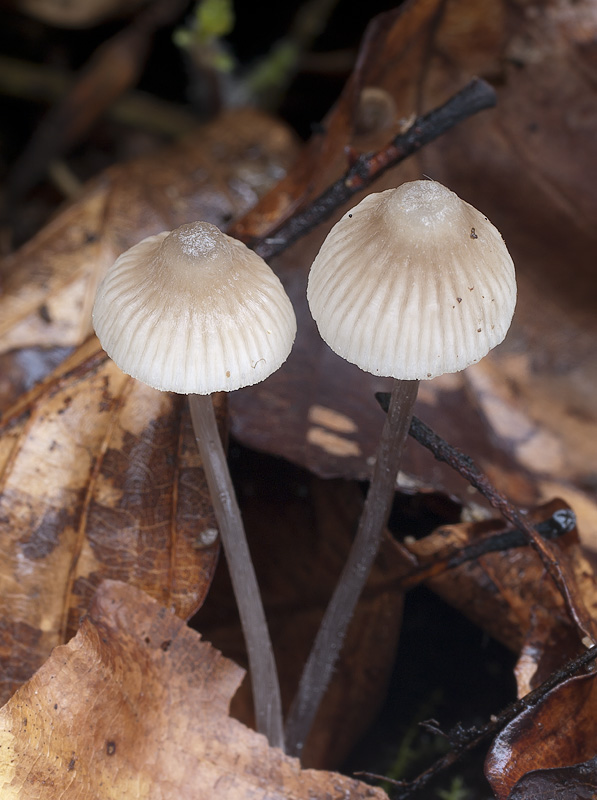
(194, 311)
(413, 283)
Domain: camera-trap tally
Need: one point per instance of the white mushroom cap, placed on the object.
(194, 311)
(412, 283)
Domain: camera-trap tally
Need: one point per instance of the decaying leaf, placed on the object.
(508, 593)
(136, 706)
(578, 782)
(99, 477)
(559, 731)
(526, 165)
(21, 369)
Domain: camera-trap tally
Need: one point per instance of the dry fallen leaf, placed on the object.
(99, 477)
(136, 706)
(578, 782)
(559, 731)
(508, 594)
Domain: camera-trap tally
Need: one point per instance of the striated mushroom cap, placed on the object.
(194, 311)
(413, 283)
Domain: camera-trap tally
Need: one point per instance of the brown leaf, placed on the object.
(161, 728)
(20, 370)
(525, 164)
(300, 529)
(215, 174)
(508, 593)
(559, 731)
(567, 783)
(99, 477)
(548, 642)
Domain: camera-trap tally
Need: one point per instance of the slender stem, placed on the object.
(330, 637)
(262, 666)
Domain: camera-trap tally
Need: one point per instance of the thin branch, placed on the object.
(551, 558)
(561, 522)
(476, 96)
(464, 739)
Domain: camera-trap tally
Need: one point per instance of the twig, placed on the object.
(464, 739)
(463, 464)
(560, 523)
(474, 97)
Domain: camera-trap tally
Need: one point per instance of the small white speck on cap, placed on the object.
(197, 240)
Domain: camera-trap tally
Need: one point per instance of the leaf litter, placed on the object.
(542, 378)
(136, 705)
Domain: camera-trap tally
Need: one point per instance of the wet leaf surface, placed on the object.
(100, 477)
(21, 369)
(508, 593)
(567, 783)
(162, 727)
(559, 732)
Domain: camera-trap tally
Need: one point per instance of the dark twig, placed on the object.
(561, 522)
(476, 96)
(432, 726)
(555, 565)
(464, 739)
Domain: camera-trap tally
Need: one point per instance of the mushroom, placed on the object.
(194, 311)
(411, 283)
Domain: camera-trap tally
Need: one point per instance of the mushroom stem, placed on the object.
(330, 637)
(262, 666)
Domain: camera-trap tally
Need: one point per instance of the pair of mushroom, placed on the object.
(411, 283)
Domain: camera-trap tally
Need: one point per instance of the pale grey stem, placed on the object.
(330, 637)
(262, 666)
